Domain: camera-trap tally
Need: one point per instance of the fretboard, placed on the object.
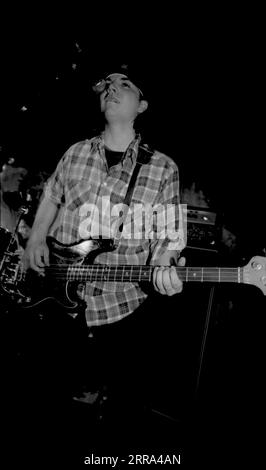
(133, 273)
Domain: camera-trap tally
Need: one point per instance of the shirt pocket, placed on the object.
(78, 192)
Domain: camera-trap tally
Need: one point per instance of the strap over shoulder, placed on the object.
(145, 153)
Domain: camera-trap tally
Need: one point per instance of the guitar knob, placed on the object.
(263, 280)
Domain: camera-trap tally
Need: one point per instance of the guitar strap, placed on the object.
(144, 155)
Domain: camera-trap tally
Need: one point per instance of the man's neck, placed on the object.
(118, 137)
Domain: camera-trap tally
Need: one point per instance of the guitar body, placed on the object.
(42, 292)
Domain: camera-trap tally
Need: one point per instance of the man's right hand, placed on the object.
(36, 256)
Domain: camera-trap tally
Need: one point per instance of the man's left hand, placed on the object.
(166, 280)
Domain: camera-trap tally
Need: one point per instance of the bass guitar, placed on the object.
(71, 265)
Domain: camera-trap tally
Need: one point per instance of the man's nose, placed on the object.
(112, 86)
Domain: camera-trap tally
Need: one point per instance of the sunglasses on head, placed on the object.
(102, 84)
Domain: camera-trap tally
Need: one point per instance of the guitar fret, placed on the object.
(146, 273)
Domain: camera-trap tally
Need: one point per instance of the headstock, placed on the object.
(255, 273)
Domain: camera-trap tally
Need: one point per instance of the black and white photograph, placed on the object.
(132, 240)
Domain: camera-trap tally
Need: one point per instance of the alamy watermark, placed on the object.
(137, 222)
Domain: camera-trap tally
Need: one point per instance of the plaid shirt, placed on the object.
(82, 180)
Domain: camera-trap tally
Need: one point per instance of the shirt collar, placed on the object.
(131, 152)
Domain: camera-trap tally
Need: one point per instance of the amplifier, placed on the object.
(203, 230)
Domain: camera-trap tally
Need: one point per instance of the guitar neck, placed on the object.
(135, 273)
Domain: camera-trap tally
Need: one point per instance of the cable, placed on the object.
(203, 343)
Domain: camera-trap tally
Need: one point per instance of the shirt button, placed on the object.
(105, 184)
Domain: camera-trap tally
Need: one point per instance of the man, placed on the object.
(96, 173)
(11, 178)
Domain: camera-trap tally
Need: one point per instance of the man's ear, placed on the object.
(143, 105)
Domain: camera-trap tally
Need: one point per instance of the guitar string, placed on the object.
(127, 271)
(138, 267)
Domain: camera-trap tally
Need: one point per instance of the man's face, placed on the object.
(120, 98)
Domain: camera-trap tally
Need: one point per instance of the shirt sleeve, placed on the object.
(168, 217)
(55, 185)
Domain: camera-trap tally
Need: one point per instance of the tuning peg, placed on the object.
(256, 265)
